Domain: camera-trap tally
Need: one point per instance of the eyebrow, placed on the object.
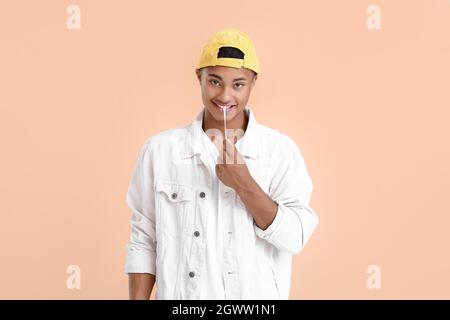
(215, 75)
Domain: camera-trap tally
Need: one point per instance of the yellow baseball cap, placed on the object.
(229, 48)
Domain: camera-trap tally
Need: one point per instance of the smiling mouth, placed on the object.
(221, 109)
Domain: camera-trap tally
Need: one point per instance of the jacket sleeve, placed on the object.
(140, 197)
(291, 189)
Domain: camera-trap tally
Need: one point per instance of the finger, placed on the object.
(224, 151)
(235, 154)
(232, 153)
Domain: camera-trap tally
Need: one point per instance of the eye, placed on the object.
(240, 84)
(211, 81)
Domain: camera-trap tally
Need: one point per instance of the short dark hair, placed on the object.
(254, 73)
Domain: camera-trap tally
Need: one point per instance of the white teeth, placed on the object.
(223, 107)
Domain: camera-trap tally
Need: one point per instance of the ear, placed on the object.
(198, 72)
(254, 79)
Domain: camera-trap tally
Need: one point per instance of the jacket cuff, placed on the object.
(140, 262)
(269, 233)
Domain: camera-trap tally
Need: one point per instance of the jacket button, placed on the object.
(174, 195)
(202, 194)
(191, 274)
(196, 233)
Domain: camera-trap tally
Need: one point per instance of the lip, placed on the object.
(221, 110)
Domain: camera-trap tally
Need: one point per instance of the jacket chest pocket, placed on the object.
(175, 203)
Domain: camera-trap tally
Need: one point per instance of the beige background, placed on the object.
(368, 108)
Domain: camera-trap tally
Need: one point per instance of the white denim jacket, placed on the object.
(194, 233)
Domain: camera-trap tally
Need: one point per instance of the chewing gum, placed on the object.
(225, 122)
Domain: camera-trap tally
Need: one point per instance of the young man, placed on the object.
(215, 218)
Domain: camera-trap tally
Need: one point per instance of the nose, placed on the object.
(224, 96)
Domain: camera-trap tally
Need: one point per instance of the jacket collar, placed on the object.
(247, 145)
